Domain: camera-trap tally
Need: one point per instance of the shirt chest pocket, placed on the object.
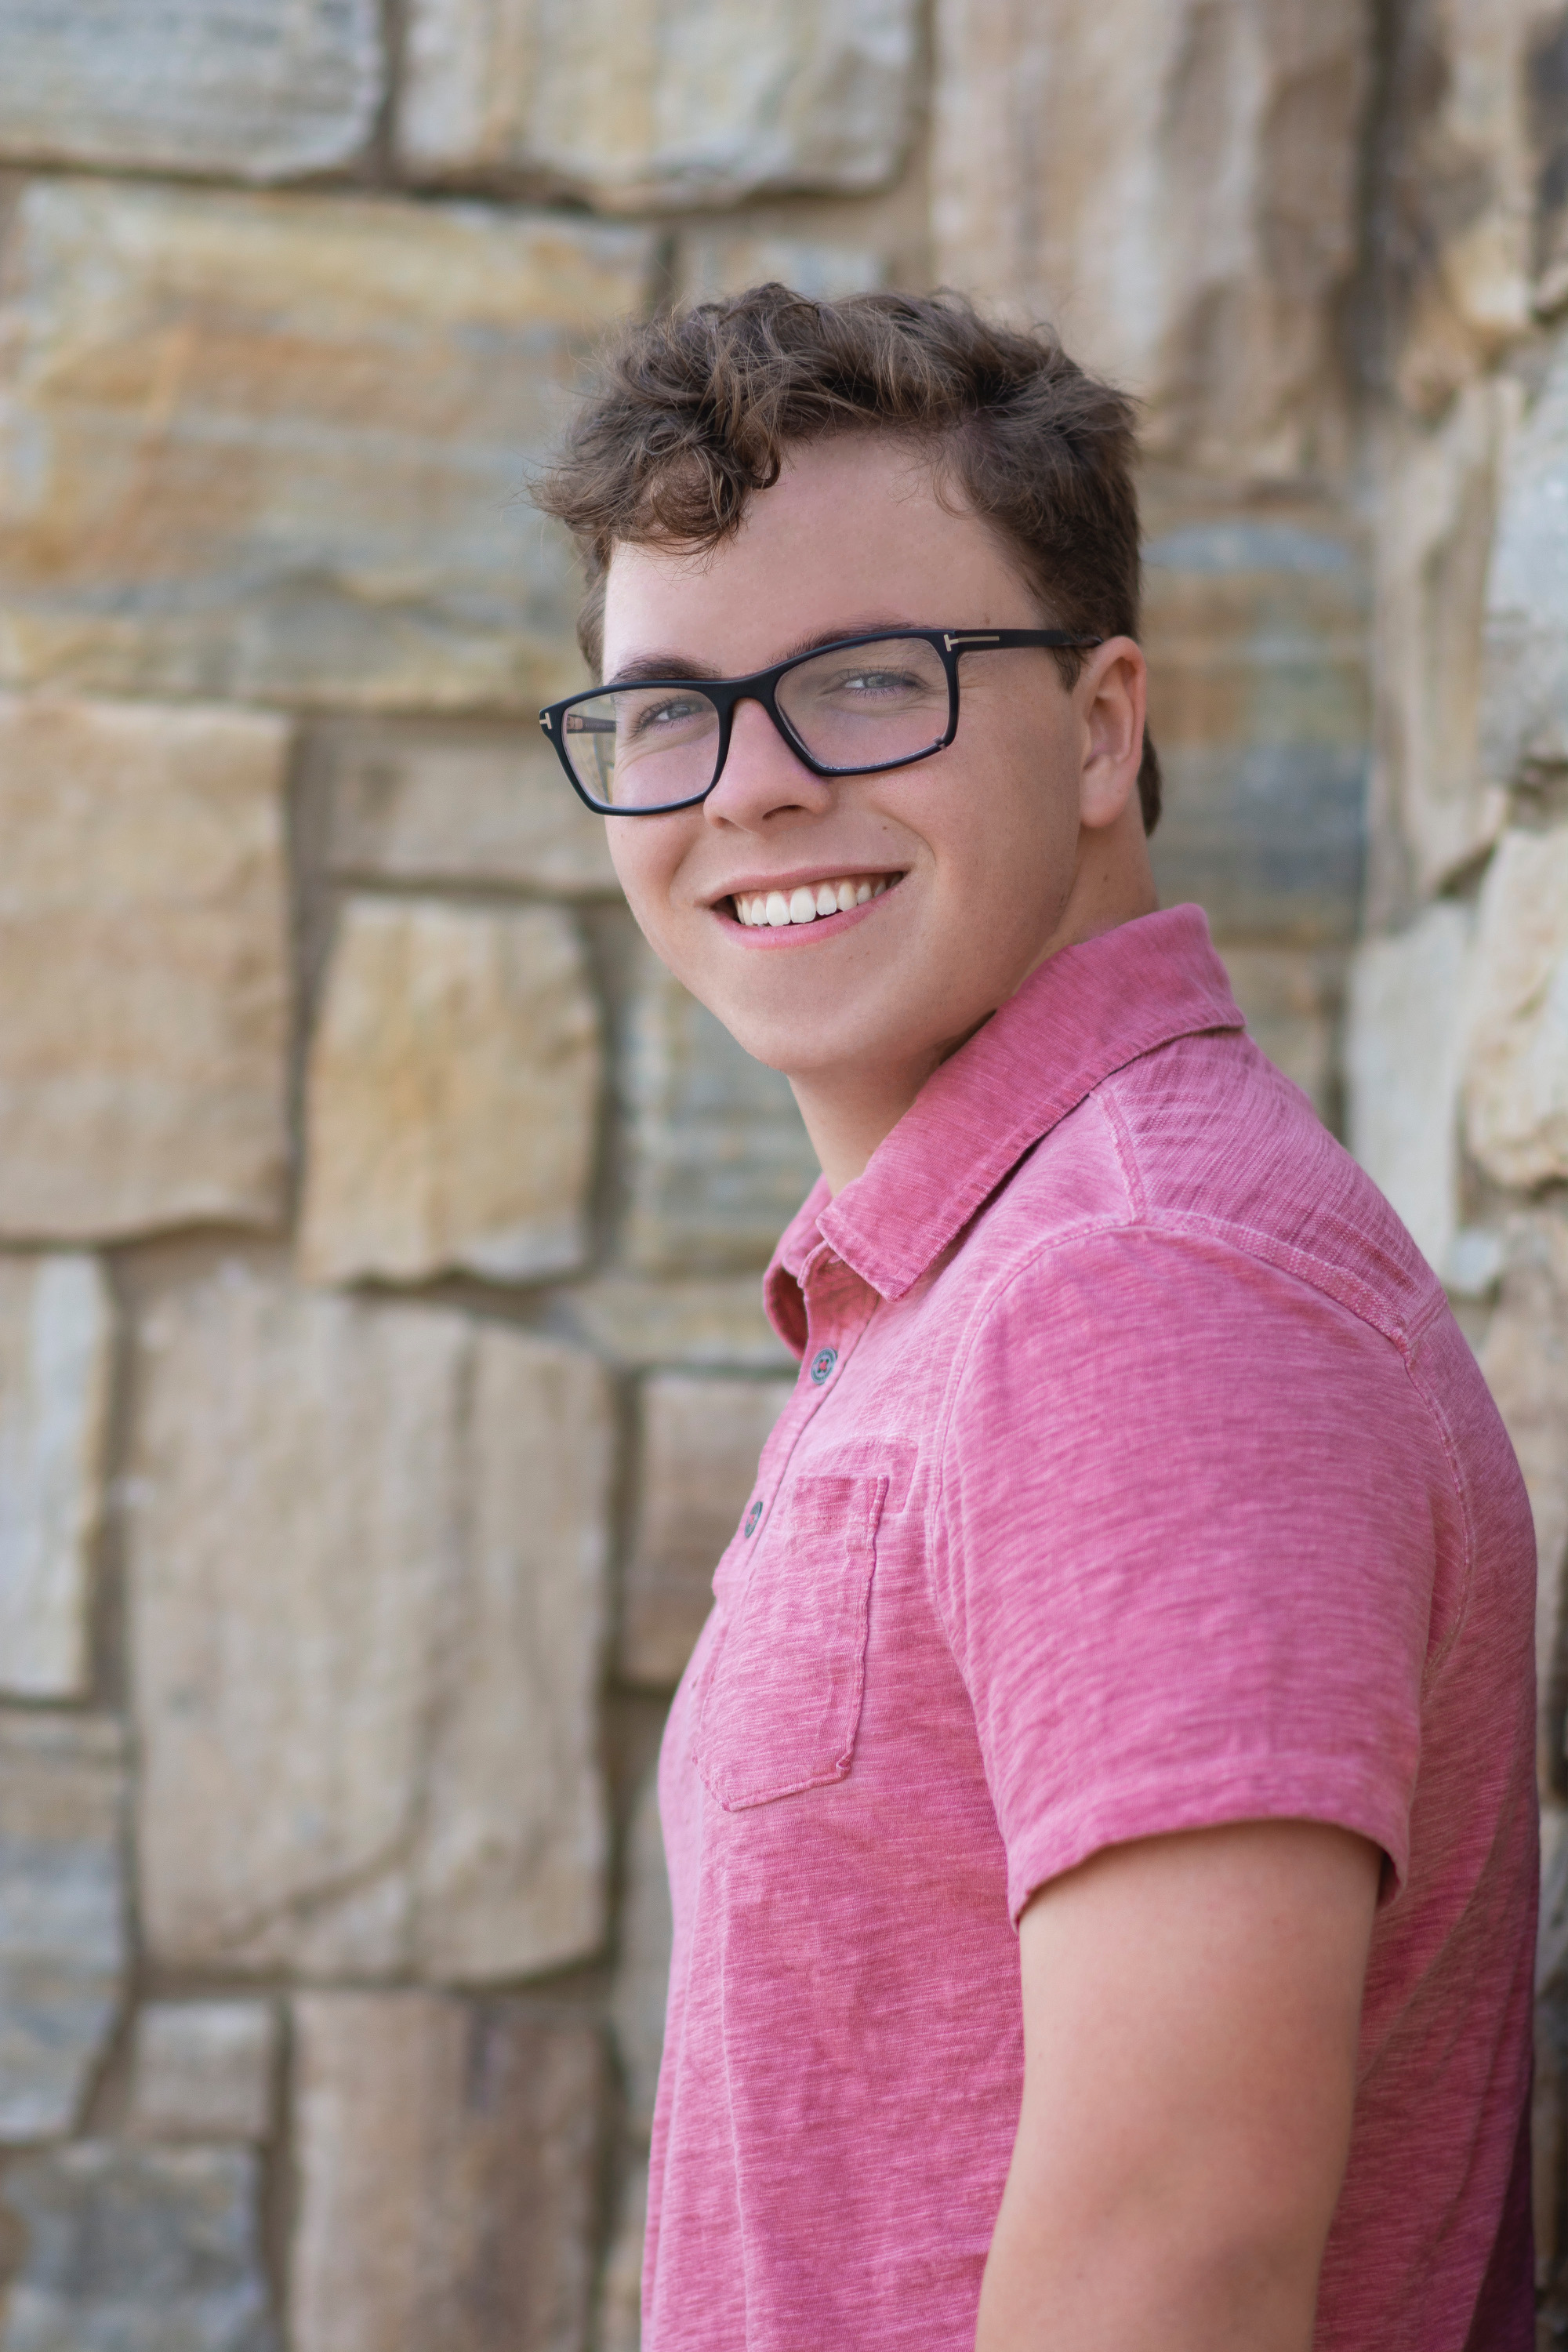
(780, 1705)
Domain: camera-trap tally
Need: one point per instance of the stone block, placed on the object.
(718, 1156)
(412, 804)
(366, 1549)
(1408, 999)
(642, 1978)
(716, 1324)
(1265, 839)
(1516, 1071)
(56, 1349)
(137, 2250)
(62, 1914)
(713, 262)
(1437, 507)
(636, 106)
(700, 1441)
(1524, 691)
(452, 1096)
(143, 977)
(270, 447)
(1463, 176)
(240, 89)
(1176, 186)
(1546, 111)
(1525, 1360)
(1292, 998)
(201, 2070)
(1255, 628)
(447, 2155)
(619, 2323)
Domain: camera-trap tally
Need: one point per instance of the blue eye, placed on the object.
(882, 681)
(672, 712)
(675, 708)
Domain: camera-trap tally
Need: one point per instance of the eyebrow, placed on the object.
(647, 666)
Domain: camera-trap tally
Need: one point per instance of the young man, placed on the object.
(1099, 1811)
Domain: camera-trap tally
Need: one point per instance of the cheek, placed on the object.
(1002, 829)
(646, 861)
(1029, 794)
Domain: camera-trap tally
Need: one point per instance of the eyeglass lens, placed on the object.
(646, 747)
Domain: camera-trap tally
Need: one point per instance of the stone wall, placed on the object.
(381, 1359)
(1458, 1050)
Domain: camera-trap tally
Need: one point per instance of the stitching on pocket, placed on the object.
(746, 1709)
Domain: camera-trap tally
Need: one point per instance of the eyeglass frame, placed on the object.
(762, 686)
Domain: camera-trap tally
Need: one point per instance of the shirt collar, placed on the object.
(1086, 1011)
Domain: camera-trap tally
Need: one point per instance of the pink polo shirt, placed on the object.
(1137, 1478)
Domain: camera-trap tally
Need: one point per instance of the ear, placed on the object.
(1113, 698)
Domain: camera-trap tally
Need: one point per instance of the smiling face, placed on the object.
(916, 899)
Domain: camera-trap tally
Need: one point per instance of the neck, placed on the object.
(848, 1112)
(847, 1117)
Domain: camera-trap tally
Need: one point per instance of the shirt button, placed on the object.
(752, 1515)
(822, 1363)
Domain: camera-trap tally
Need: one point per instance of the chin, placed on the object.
(780, 1045)
(804, 1049)
(780, 1034)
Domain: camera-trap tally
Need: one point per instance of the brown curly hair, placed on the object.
(691, 413)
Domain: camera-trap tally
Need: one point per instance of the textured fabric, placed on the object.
(1137, 1478)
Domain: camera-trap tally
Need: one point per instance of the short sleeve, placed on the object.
(1184, 1552)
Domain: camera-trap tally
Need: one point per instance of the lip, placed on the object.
(821, 927)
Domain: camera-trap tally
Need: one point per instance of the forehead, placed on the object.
(858, 531)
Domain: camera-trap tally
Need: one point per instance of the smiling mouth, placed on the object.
(810, 902)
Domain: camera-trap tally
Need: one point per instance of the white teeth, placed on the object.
(764, 908)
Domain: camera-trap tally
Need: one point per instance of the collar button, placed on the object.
(822, 1364)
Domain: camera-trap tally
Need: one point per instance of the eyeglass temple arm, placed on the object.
(1062, 637)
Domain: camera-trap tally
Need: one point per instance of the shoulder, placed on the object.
(1190, 1252)
(1225, 1148)
(1174, 1331)
(1205, 1147)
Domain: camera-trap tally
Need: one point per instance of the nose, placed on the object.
(762, 780)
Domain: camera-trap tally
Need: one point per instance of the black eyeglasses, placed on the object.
(848, 708)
